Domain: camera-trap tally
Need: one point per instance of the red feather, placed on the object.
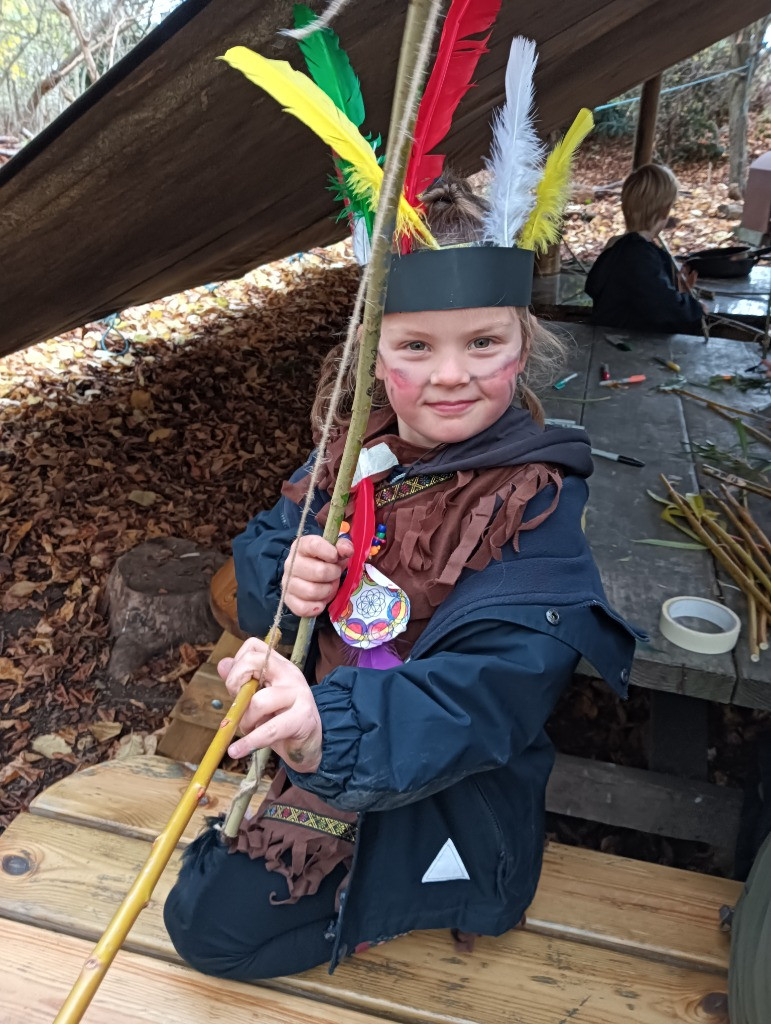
(450, 80)
(362, 531)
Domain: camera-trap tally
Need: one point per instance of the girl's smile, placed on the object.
(449, 374)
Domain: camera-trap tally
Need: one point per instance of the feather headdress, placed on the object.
(526, 197)
(302, 98)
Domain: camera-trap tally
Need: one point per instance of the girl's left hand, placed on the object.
(282, 714)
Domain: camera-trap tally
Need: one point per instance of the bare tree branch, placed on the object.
(65, 7)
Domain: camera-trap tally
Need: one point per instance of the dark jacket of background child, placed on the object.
(632, 287)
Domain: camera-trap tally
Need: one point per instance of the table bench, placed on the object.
(607, 940)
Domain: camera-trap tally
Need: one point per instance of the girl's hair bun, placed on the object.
(453, 212)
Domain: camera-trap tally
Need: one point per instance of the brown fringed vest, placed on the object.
(437, 525)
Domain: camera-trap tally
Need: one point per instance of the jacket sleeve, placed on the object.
(393, 737)
(655, 298)
(259, 554)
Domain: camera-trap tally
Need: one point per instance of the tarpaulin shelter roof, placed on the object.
(173, 170)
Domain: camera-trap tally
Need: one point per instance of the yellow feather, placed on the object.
(300, 96)
(543, 225)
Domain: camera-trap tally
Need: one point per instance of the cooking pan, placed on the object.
(731, 261)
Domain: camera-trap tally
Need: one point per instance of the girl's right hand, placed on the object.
(316, 573)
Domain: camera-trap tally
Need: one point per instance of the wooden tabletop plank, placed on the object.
(644, 423)
(77, 876)
(40, 967)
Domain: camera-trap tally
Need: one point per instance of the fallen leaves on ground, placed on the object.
(187, 434)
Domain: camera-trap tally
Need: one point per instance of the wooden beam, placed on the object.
(646, 122)
(663, 805)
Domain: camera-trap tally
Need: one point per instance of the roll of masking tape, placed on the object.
(717, 641)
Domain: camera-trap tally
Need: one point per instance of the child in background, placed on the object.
(634, 284)
(413, 796)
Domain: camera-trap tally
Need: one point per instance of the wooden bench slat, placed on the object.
(134, 796)
(612, 901)
(79, 875)
(40, 967)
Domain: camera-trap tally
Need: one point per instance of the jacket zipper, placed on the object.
(492, 816)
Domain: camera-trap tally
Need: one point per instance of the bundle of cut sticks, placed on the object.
(744, 552)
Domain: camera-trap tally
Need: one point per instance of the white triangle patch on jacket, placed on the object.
(446, 866)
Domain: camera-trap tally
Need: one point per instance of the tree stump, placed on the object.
(158, 596)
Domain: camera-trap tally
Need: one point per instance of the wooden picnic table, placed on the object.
(660, 428)
(672, 797)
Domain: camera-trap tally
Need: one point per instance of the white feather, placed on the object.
(516, 154)
(362, 247)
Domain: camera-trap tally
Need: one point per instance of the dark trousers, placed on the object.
(221, 921)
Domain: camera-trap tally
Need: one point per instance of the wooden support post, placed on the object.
(678, 735)
(646, 122)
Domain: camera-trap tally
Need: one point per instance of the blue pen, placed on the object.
(565, 380)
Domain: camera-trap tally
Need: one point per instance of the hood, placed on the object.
(513, 440)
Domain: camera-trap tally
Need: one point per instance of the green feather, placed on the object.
(330, 67)
(331, 70)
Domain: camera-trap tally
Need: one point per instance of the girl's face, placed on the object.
(449, 374)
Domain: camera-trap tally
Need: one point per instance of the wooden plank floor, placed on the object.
(608, 940)
(598, 898)
(137, 990)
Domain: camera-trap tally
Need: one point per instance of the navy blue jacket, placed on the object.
(451, 745)
(632, 287)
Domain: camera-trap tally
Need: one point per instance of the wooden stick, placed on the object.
(739, 553)
(752, 616)
(139, 894)
(746, 516)
(734, 571)
(729, 513)
(763, 629)
(718, 405)
(765, 438)
(736, 481)
(421, 20)
(418, 32)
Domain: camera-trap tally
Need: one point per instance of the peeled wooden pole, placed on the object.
(742, 580)
(139, 894)
(421, 20)
(418, 32)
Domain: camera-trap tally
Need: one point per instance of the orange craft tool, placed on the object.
(634, 379)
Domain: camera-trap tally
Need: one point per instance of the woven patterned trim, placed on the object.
(309, 819)
(389, 493)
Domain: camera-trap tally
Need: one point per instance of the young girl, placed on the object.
(412, 796)
(634, 283)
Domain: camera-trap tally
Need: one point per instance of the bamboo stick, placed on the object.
(738, 551)
(729, 513)
(734, 571)
(138, 896)
(747, 518)
(718, 405)
(763, 629)
(752, 616)
(736, 481)
(759, 434)
(421, 21)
